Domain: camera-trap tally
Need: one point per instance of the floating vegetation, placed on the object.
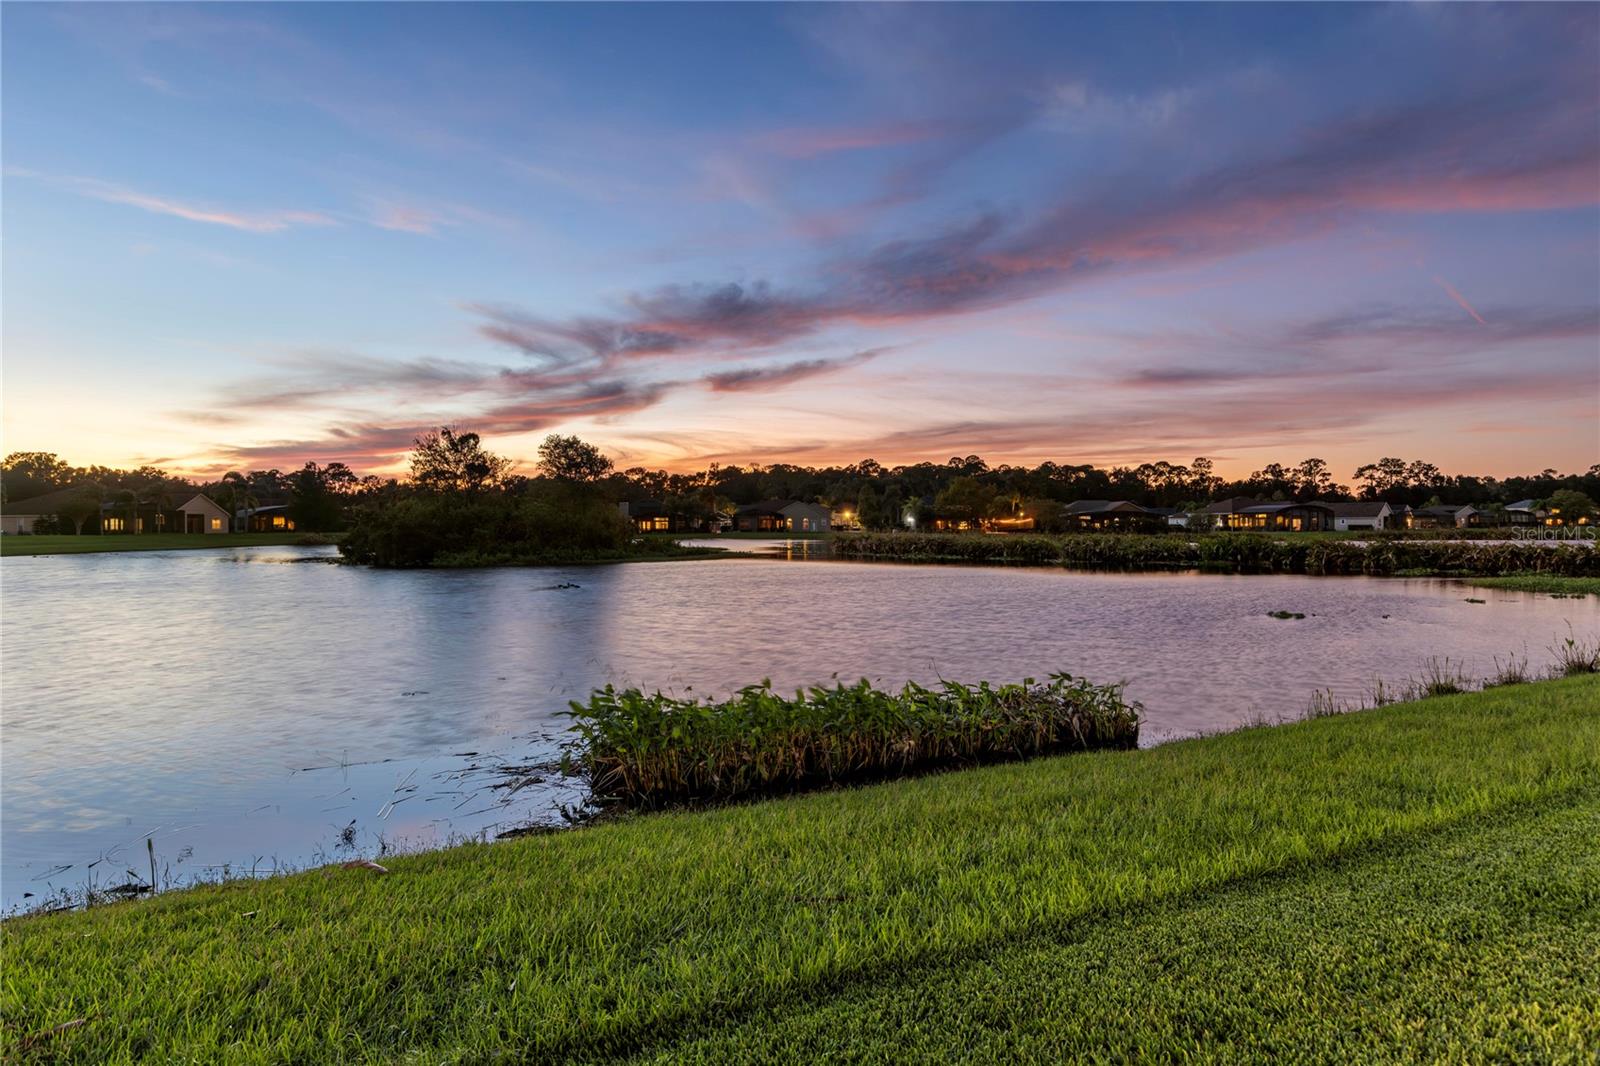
(1471, 599)
(1284, 614)
(656, 750)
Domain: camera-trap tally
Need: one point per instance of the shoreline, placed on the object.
(833, 887)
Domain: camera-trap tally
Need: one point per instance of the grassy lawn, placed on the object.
(143, 542)
(1567, 586)
(745, 536)
(1417, 881)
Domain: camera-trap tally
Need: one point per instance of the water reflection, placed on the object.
(250, 712)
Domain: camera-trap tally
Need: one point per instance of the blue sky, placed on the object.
(250, 235)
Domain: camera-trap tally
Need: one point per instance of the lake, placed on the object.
(251, 707)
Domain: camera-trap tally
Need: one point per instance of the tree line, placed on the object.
(451, 461)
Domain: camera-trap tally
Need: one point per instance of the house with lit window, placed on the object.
(1285, 516)
(652, 516)
(782, 516)
(1102, 515)
(273, 518)
(194, 513)
(1223, 514)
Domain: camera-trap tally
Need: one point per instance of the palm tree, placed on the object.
(159, 496)
(241, 497)
(130, 499)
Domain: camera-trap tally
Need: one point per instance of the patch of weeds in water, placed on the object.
(1285, 614)
(1472, 600)
(654, 750)
(1514, 671)
(1575, 655)
(1441, 677)
(1324, 704)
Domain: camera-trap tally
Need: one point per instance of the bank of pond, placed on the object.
(1408, 883)
(1233, 552)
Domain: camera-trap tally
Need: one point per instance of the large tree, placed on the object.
(448, 461)
(571, 459)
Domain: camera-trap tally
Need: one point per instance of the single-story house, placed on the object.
(273, 518)
(1286, 517)
(652, 516)
(191, 512)
(1525, 513)
(19, 516)
(782, 516)
(1447, 516)
(1112, 514)
(1224, 514)
(1367, 514)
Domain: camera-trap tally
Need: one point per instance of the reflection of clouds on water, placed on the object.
(214, 681)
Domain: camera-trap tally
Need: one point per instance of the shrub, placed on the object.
(653, 750)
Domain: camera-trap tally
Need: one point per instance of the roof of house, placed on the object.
(1523, 505)
(1444, 510)
(1232, 505)
(1090, 507)
(1359, 508)
(1283, 505)
(815, 508)
(1167, 511)
(773, 507)
(49, 503)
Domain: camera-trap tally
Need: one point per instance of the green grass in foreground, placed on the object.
(1473, 944)
(137, 542)
(1089, 877)
(1566, 586)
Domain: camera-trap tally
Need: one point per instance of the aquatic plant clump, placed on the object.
(658, 750)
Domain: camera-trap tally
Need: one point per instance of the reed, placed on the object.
(1575, 655)
(1237, 552)
(656, 750)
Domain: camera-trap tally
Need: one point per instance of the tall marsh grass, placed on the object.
(657, 750)
(1239, 552)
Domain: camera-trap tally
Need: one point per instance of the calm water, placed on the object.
(257, 705)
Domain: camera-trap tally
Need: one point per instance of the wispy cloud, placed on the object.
(249, 221)
(766, 377)
(1460, 299)
(1489, 151)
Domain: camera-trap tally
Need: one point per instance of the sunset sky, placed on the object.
(247, 236)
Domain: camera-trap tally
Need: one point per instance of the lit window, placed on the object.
(114, 524)
(216, 523)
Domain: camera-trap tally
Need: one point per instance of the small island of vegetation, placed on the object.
(463, 507)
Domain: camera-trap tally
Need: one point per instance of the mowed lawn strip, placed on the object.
(1475, 943)
(144, 542)
(604, 940)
